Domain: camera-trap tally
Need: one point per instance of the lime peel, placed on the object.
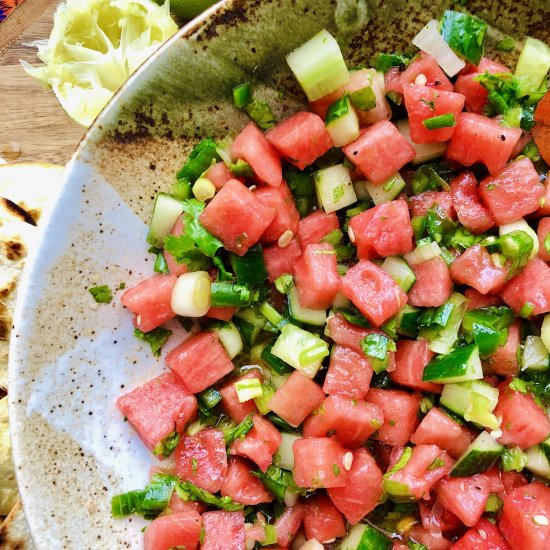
(94, 46)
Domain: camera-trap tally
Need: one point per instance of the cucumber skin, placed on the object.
(475, 462)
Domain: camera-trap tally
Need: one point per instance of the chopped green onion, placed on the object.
(191, 294)
(545, 331)
(441, 121)
(284, 283)
(242, 94)
(431, 177)
(526, 310)
(248, 388)
(506, 44)
(225, 294)
(160, 264)
(201, 158)
(465, 34)
(241, 169)
(260, 112)
(376, 347)
(166, 445)
(363, 99)
(232, 432)
(278, 481)
(513, 459)
(148, 502)
(101, 294)
(156, 338)
(209, 398)
(182, 189)
(189, 491)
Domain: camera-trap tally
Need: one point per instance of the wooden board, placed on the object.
(30, 116)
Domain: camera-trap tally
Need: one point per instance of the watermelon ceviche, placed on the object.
(366, 291)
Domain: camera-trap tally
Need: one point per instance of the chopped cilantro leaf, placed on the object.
(156, 338)
(101, 294)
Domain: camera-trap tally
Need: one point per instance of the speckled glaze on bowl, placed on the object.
(71, 358)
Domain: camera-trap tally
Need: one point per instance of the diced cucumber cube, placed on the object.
(365, 537)
(424, 151)
(284, 458)
(387, 191)
(537, 462)
(334, 188)
(342, 122)
(301, 349)
(229, 336)
(533, 65)
(166, 211)
(535, 356)
(478, 457)
(460, 365)
(399, 271)
(303, 314)
(318, 66)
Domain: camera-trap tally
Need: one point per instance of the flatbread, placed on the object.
(16, 237)
(8, 487)
(14, 532)
(25, 190)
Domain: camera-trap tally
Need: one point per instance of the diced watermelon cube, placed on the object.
(466, 497)
(477, 300)
(243, 487)
(410, 359)
(252, 146)
(150, 301)
(301, 139)
(377, 296)
(505, 360)
(380, 151)
(474, 92)
(158, 407)
(316, 276)
(347, 334)
(420, 204)
(438, 428)
(177, 504)
(223, 531)
(424, 102)
(478, 138)
(471, 213)
(221, 313)
(513, 192)
(180, 530)
(350, 421)
(524, 514)
(524, 424)
(359, 80)
(279, 261)
(433, 285)
(313, 228)
(531, 286)
(230, 401)
(199, 361)
(384, 230)
(202, 459)
(286, 218)
(483, 535)
(475, 267)
(296, 398)
(543, 232)
(259, 444)
(237, 217)
(175, 268)
(288, 523)
(432, 540)
(426, 65)
(511, 481)
(427, 465)
(349, 373)
(322, 520)
(219, 174)
(319, 462)
(400, 410)
(363, 491)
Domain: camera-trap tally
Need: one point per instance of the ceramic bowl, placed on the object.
(71, 358)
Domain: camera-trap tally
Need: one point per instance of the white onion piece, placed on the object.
(430, 41)
(191, 294)
(312, 544)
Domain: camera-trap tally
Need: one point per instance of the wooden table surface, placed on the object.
(30, 116)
